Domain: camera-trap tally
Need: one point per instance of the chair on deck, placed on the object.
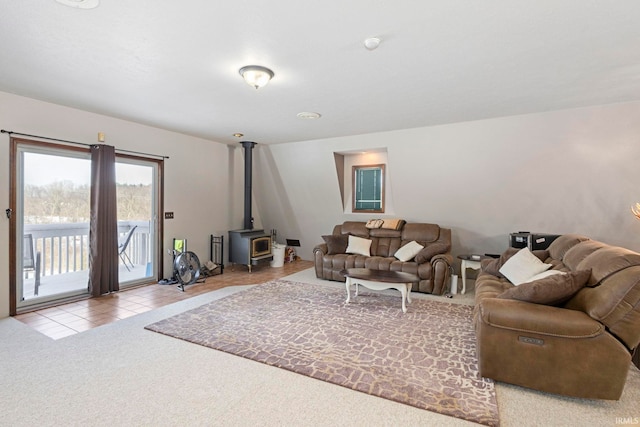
(31, 261)
(123, 243)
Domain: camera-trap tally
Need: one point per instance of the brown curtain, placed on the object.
(103, 227)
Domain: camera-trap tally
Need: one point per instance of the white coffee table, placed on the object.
(379, 280)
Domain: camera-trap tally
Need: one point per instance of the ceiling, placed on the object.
(174, 64)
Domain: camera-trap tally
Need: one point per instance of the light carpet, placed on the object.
(423, 358)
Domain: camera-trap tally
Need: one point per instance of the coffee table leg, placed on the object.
(403, 290)
(463, 267)
(409, 286)
(348, 285)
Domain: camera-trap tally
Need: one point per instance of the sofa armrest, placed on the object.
(441, 271)
(322, 247)
(318, 254)
(525, 317)
(447, 258)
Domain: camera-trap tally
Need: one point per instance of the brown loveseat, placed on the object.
(579, 344)
(431, 264)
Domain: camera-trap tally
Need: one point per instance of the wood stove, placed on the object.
(249, 246)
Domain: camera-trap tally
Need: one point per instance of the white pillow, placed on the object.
(358, 246)
(408, 251)
(544, 274)
(522, 266)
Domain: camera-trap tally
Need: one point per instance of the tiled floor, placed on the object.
(68, 319)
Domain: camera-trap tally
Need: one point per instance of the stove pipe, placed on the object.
(248, 166)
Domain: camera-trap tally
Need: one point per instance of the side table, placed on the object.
(469, 261)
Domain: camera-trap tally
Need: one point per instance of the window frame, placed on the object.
(356, 187)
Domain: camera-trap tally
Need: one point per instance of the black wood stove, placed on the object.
(248, 246)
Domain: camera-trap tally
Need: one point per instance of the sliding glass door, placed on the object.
(136, 187)
(52, 223)
(51, 203)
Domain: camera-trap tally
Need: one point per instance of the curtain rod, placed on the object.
(81, 143)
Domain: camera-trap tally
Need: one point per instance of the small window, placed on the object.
(368, 188)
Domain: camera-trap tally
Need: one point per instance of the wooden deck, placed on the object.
(74, 282)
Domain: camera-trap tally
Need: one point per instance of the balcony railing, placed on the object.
(64, 248)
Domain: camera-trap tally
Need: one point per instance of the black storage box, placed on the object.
(533, 241)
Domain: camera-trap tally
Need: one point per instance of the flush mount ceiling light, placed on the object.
(80, 4)
(256, 75)
(308, 115)
(372, 43)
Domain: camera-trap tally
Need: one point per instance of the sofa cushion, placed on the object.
(607, 261)
(522, 266)
(336, 243)
(384, 246)
(562, 244)
(554, 289)
(421, 232)
(493, 266)
(355, 228)
(431, 250)
(408, 251)
(359, 246)
(579, 252)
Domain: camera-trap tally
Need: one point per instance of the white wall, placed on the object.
(203, 179)
(571, 171)
(558, 172)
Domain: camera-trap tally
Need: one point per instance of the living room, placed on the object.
(559, 172)
(567, 169)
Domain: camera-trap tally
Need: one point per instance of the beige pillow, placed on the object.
(554, 289)
(374, 223)
(522, 266)
(393, 224)
(359, 246)
(408, 251)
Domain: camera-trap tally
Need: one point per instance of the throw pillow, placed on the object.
(336, 243)
(408, 251)
(374, 223)
(522, 266)
(358, 246)
(493, 266)
(393, 224)
(431, 250)
(554, 289)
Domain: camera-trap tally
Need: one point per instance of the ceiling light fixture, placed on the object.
(256, 75)
(80, 4)
(372, 43)
(238, 135)
(308, 115)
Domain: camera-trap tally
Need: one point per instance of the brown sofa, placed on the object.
(580, 347)
(431, 265)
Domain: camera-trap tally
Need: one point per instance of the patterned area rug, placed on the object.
(424, 358)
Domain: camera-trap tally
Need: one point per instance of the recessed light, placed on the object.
(308, 115)
(238, 135)
(80, 4)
